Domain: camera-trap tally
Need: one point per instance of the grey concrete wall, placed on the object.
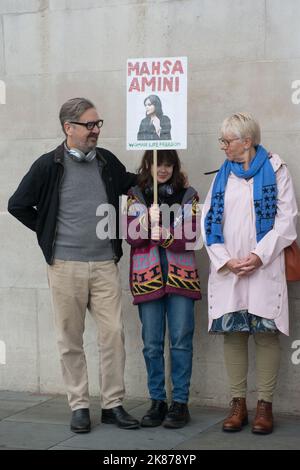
(243, 55)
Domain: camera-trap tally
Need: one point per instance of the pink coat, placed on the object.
(263, 293)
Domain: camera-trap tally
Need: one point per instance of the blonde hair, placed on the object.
(242, 125)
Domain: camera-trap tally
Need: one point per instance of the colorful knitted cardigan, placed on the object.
(146, 280)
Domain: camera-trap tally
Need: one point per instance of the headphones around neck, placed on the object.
(80, 156)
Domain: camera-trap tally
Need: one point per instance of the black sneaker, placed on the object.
(155, 415)
(177, 416)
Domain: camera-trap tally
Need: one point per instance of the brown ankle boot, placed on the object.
(263, 421)
(238, 416)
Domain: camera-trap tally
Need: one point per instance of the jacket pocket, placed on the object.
(266, 297)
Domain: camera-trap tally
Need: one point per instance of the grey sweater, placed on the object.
(82, 191)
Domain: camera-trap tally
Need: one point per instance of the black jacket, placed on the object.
(35, 203)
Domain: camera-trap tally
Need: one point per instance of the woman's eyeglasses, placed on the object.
(226, 142)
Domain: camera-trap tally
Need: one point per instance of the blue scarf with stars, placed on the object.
(264, 196)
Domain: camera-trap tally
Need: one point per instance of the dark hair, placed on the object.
(72, 109)
(155, 100)
(170, 157)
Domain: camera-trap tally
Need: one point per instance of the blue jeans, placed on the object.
(178, 311)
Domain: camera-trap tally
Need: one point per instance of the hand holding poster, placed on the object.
(157, 103)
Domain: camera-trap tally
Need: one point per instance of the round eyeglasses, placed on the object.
(227, 142)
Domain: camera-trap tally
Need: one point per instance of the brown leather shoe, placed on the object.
(238, 416)
(263, 421)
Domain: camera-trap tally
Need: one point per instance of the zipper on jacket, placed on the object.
(101, 169)
(55, 231)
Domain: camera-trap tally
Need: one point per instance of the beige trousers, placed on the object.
(267, 350)
(76, 286)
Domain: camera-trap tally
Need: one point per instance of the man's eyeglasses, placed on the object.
(226, 142)
(90, 124)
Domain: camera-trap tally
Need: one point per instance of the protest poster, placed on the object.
(157, 103)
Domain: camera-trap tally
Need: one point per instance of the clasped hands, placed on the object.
(240, 267)
(245, 266)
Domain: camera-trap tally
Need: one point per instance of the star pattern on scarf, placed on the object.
(214, 215)
(266, 207)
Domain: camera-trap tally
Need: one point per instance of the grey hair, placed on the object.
(72, 109)
(242, 125)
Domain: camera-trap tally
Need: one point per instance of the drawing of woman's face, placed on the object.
(150, 108)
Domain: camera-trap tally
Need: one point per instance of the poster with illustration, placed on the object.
(157, 103)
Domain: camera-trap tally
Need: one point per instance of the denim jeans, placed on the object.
(178, 312)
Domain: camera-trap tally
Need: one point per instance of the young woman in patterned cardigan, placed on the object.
(164, 280)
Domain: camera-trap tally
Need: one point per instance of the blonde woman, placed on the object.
(249, 217)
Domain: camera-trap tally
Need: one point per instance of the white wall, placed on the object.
(243, 55)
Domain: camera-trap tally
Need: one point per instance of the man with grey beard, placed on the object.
(58, 199)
